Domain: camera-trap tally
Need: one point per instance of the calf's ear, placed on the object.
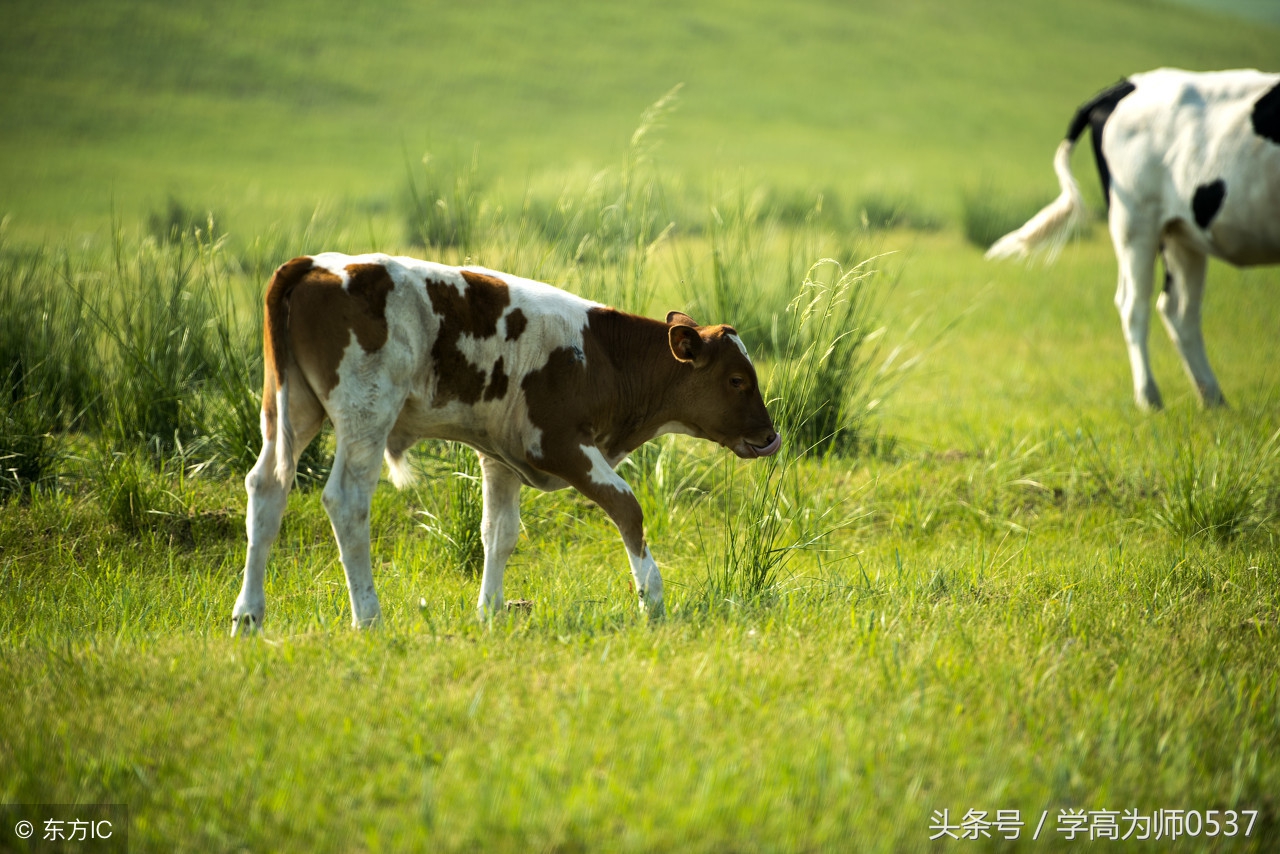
(680, 318)
(686, 343)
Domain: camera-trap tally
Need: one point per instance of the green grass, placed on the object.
(1004, 588)
(993, 606)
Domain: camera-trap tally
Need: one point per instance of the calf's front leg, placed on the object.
(605, 487)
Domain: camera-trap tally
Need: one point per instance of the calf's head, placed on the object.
(720, 393)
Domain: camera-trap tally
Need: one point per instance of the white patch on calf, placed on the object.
(337, 263)
(743, 347)
(601, 472)
(284, 434)
(533, 442)
(484, 353)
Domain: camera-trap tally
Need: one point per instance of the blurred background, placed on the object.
(260, 111)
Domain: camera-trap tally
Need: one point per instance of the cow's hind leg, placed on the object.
(1136, 255)
(1179, 307)
(347, 498)
(499, 530)
(268, 495)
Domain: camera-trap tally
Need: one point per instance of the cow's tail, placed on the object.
(276, 357)
(1055, 222)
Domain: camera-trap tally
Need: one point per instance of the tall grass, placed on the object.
(767, 516)
(669, 476)
(50, 372)
(49, 354)
(825, 379)
(30, 454)
(158, 325)
(822, 388)
(154, 345)
(230, 397)
(455, 491)
(179, 221)
(744, 288)
(445, 203)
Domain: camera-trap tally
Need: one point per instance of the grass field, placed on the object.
(998, 588)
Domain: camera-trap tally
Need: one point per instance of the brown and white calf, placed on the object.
(1190, 167)
(551, 390)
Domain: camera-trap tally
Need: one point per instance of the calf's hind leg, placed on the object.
(268, 495)
(347, 498)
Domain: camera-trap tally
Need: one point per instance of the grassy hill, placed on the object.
(255, 110)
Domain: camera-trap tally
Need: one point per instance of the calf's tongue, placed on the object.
(768, 449)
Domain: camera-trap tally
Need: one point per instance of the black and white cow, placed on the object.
(550, 389)
(1190, 167)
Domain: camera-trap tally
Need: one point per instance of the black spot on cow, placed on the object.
(1207, 201)
(1094, 115)
(1266, 115)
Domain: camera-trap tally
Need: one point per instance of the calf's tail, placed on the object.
(276, 357)
(1055, 222)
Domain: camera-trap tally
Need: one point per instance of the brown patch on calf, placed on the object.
(516, 323)
(275, 334)
(577, 396)
(371, 283)
(556, 395)
(323, 315)
(474, 312)
(497, 387)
